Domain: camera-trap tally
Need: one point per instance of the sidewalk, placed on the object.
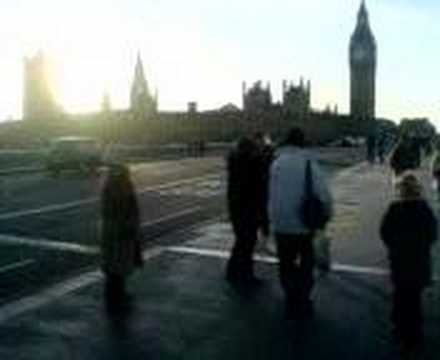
(183, 308)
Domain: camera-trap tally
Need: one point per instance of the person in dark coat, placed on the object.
(406, 156)
(408, 230)
(371, 148)
(244, 205)
(120, 238)
(381, 147)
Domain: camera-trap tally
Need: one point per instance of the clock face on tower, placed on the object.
(359, 53)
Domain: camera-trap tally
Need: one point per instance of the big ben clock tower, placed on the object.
(363, 55)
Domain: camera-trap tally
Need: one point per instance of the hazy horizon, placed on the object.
(202, 51)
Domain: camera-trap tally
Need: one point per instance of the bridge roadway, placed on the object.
(49, 226)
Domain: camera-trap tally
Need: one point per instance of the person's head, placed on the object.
(262, 139)
(247, 145)
(119, 171)
(295, 137)
(409, 187)
(119, 177)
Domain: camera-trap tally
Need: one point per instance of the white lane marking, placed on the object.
(273, 260)
(178, 182)
(54, 292)
(78, 248)
(46, 209)
(172, 216)
(360, 269)
(48, 244)
(16, 265)
(73, 204)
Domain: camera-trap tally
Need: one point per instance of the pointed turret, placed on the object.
(141, 101)
(139, 86)
(363, 13)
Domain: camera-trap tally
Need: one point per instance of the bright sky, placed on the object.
(201, 50)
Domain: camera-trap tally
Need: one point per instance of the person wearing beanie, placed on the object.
(408, 230)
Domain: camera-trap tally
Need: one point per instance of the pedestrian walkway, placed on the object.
(183, 308)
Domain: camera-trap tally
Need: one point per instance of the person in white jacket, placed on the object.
(294, 240)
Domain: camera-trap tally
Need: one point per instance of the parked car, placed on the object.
(82, 154)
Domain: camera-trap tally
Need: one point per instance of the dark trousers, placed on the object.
(407, 313)
(240, 265)
(114, 287)
(296, 263)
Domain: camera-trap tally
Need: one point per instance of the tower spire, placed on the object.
(141, 101)
(139, 75)
(362, 58)
(363, 13)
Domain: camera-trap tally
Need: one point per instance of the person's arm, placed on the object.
(272, 191)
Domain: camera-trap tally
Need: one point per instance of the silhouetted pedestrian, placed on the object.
(408, 230)
(287, 194)
(406, 156)
(381, 149)
(120, 238)
(371, 148)
(244, 205)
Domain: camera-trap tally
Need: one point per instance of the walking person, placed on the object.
(120, 238)
(294, 178)
(408, 230)
(244, 205)
(381, 148)
(406, 156)
(266, 155)
(371, 148)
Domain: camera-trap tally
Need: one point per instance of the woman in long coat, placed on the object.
(120, 242)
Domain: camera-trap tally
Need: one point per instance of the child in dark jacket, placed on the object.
(408, 230)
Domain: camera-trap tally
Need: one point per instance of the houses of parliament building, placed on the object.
(144, 123)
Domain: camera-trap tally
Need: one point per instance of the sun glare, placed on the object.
(85, 60)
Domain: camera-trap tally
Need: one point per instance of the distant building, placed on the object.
(257, 99)
(192, 107)
(142, 103)
(106, 105)
(229, 108)
(363, 56)
(38, 95)
(296, 99)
